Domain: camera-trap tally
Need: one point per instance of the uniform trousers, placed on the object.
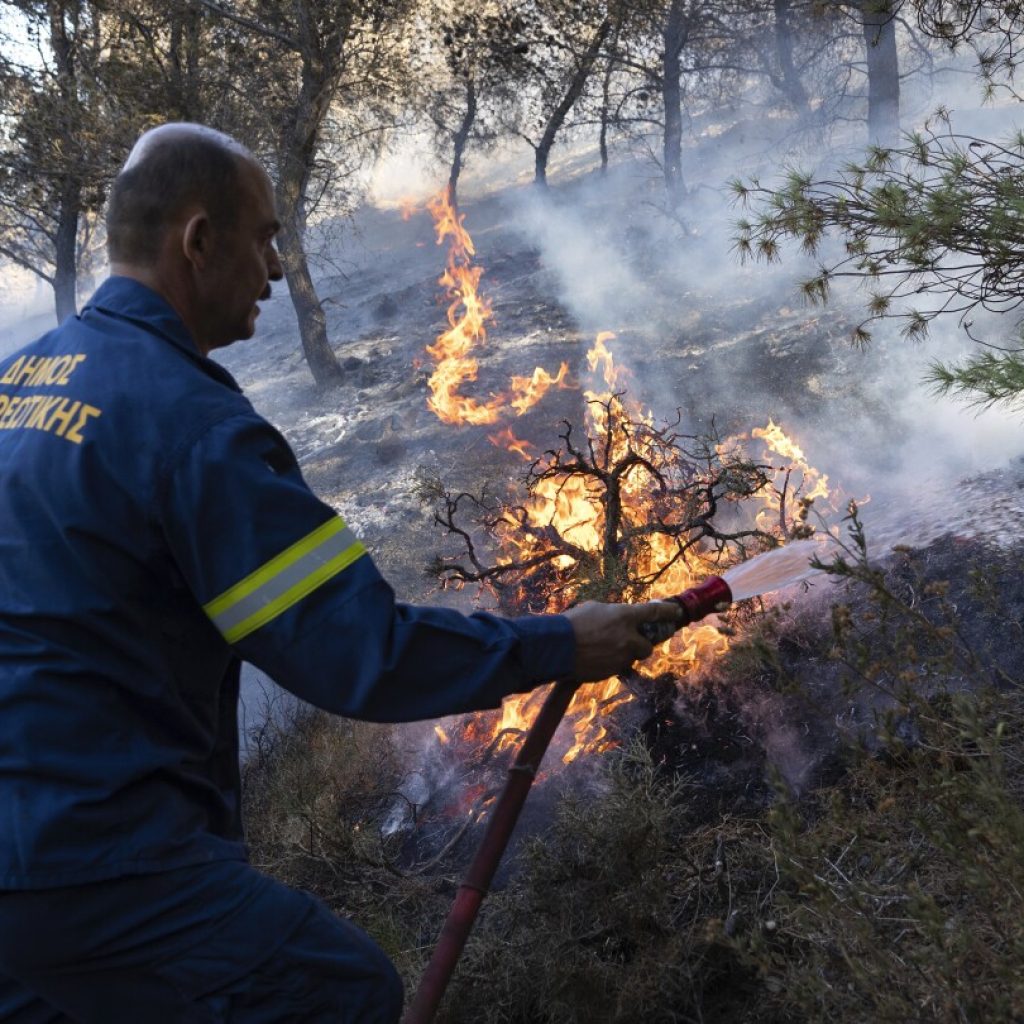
(212, 944)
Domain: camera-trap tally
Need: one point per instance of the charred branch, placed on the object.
(608, 514)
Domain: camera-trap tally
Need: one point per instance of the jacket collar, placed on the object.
(128, 299)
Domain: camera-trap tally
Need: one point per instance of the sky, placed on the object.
(14, 38)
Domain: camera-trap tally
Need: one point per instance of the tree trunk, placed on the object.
(606, 116)
(879, 23)
(65, 242)
(572, 94)
(790, 83)
(674, 38)
(65, 262)
(297, 143)
(606, 94)
(610, 555)
(461, 138)
(184, 55)
(308, 309)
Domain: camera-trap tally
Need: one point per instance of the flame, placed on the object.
(599, 356)
(507, 440)
(468, 315)
(797, 482)
(528, 391)
(570, 504)
(815, 484)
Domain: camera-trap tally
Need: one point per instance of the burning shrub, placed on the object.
(630, 511)
(610, 516)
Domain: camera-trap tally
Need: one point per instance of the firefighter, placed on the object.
(155, 531)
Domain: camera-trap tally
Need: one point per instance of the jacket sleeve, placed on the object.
(295, 593)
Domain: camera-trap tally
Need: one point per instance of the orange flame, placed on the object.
(407, 206)
(571, 504)
(530, 390)
(468, 315)
(599, 356)
(507, 440)
(797, 479)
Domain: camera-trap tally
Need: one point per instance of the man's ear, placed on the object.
(195, 240)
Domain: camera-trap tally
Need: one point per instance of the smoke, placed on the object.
(432, 774)
(26, 308)
(701, 333)
(787, 743)
(406, 171)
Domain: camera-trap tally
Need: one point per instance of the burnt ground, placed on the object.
(733, 354)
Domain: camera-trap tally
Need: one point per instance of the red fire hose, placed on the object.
(712, 595)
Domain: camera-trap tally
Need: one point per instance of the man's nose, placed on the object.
(274, 271)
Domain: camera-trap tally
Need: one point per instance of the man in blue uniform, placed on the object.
(154, 531)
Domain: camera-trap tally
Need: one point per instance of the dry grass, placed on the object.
(892, 894)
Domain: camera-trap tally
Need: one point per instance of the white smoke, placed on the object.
(867, 418)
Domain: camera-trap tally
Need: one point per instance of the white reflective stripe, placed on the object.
(284, 580)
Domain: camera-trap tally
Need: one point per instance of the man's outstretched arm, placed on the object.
(293, 591)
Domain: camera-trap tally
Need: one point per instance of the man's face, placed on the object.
(243, 262)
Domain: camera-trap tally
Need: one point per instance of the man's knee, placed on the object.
(384, 984)
(392, 992)
(368, 988)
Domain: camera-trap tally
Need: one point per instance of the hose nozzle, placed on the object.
(713, 595)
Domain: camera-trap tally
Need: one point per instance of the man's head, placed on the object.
(192, 215)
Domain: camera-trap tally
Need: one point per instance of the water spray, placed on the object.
(769, 571)
(765, 572)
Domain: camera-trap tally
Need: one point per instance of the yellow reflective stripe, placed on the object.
(284, 580)
(270, 569)
(297, 593)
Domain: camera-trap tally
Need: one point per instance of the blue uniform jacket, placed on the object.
(154, 530)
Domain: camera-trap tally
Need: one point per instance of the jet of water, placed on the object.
(772, 569)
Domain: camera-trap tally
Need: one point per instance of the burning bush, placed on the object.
(629, 511)
(620, 514)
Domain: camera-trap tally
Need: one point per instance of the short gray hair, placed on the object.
(169, 168)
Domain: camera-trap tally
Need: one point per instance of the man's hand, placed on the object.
(608, 637)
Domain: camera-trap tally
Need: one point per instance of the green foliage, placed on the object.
(992, 31)
(985, 379)
(942, 216)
